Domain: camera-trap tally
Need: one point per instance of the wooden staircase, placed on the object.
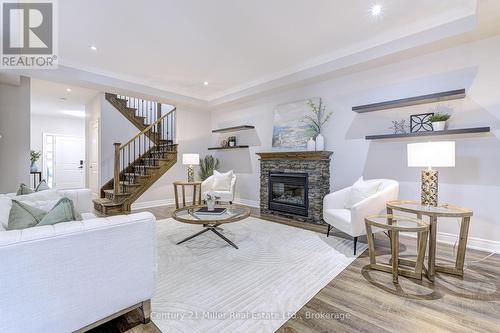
(141, 161)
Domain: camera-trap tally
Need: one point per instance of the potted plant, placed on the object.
(34, 156)
(438, 121)
(317, 121)
(211, 200)
(207, 166)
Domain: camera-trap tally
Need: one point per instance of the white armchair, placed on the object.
(352, 221)
(227, 196)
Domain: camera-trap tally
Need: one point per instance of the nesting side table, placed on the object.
(442, 210)
(396, 224)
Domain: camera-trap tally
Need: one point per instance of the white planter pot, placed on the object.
(211, 205)
(320, 143)
(311, 145)
(439, 125)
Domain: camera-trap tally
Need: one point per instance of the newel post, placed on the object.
(116, 179)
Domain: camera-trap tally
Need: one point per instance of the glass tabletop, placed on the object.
(440, 210)
(396, 222)
(190, 214)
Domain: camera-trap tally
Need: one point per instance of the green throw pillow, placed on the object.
(63, 211)
(42, 186)
(24, 189)
(23, 216)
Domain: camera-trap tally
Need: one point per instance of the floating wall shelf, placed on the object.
(233, 129)
(398, 103)
(225, 148)
(433, 133)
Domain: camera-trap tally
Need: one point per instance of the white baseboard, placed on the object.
(153, 203)
(251, 203)
(472, 242)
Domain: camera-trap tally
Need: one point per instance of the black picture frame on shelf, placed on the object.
(420, 122)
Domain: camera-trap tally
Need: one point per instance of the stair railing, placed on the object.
(134, 157)
(150, 110)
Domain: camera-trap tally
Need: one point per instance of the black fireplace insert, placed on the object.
(288, 193)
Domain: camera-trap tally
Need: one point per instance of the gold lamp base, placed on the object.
(191, 173)
(429, 190)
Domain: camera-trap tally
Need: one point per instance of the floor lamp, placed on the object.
(428, 155)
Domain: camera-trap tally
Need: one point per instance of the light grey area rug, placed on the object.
(207, 286)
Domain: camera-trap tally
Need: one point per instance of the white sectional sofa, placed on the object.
(75, 275)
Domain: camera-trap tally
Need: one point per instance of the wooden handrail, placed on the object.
(146, 129)
(116, 179)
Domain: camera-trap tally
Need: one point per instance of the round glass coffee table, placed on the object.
(210, 222)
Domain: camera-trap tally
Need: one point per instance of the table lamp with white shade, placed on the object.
(191, 160)
(428, 155)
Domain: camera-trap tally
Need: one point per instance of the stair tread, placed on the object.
(123, 182)
(149, 166)
(135, 174)
(112, 191)
(106, 202)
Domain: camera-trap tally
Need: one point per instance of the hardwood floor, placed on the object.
(362, 300)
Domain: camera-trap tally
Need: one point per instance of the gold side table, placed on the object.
(394, 225)
(442, 210)
(196, 192)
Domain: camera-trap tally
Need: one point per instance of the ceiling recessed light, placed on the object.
(68, 89)
(93, 48)
(376, 10)
(205, 83)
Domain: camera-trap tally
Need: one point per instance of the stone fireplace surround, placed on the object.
(317, 166)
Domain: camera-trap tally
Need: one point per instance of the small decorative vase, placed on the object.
(210, 205)
(33, 167)
(320, 142)
(311, 145)
(439, 125)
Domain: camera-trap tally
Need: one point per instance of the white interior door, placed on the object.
(94, 158)
(69, 169)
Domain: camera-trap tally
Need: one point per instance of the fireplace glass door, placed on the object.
(288, 193)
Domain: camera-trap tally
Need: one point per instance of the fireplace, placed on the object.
(288, 192)
(293, 184)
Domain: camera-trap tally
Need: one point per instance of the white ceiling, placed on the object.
(176, 45)
(52, 99)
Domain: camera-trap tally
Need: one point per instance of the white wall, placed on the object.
(474, 183)
(53, 125)
(15, 131)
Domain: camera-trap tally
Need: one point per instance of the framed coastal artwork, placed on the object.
(291, 130)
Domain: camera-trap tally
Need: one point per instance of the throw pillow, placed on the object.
(63, 211)
(23, 216)
(361, 190)
(222, 181)
(5, 206)
(42, 186)
(24, 189)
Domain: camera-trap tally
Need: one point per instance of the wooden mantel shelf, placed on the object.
(295, 155)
